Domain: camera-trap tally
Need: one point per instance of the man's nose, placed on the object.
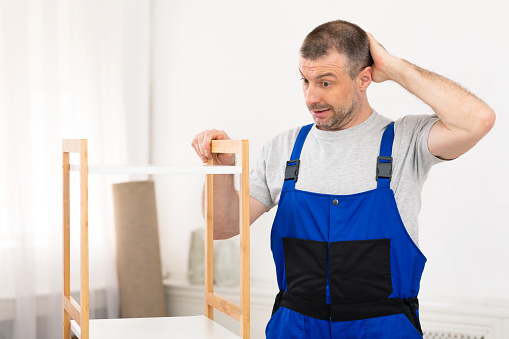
(312, 95)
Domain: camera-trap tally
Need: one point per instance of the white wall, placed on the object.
(232, 65)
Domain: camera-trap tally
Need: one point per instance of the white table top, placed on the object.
(199, 327)
(153, 169)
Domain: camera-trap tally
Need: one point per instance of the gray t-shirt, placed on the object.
(344, 162)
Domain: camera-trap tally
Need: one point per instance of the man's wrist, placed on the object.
(394, 68)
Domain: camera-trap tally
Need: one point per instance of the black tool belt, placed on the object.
(349, 312)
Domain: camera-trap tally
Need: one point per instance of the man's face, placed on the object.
(329, 92)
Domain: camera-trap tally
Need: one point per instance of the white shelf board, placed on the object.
(153, 169)
(167, 327)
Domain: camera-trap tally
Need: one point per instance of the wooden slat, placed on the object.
(66, 243)
(224, 305)
(85, 308)
(244, 242)
(73, 308)
(72, 145)
(209, 244)
(226, 146)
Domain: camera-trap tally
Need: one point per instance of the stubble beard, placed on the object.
(341, 116)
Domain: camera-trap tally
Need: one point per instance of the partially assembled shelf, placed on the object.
(180, 327)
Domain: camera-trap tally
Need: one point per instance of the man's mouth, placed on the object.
(321, 113)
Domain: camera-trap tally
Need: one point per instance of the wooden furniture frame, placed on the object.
(79, 312)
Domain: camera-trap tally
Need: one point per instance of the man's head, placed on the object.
(335, 66)
(342, 37)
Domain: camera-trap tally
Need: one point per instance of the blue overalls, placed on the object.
(346, 266)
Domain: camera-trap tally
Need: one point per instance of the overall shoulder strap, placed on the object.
(292, 166)
(384, 160)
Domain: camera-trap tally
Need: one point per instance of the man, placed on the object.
(344, 238)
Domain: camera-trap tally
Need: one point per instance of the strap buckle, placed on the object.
(383, 167)
(292, 170)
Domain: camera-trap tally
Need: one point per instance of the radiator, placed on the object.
(462, 318)
(451, 335)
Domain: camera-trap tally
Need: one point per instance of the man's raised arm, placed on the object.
(464, 118)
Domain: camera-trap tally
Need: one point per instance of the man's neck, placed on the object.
(362, 115)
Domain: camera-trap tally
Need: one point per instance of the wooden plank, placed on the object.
(72, 145)
(66, 242)
(66, 325)
(226, 146)
(85, 308)
(73, 308)
(224, 305)
(244, 242)
(209, 245)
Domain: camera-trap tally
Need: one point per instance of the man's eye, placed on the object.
(305, 80)
(325, 84)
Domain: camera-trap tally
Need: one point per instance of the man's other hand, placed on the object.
(202, 145)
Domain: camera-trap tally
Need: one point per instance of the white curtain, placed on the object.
(68, 69)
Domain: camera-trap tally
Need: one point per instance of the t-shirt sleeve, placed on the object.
(258, 187)
(414, 130)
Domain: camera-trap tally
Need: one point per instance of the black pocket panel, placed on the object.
(306, 268)
(360, 270)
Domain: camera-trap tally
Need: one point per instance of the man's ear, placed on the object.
(364, 78)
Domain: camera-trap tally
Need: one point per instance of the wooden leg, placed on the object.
(209, 244)
(66, 243)
(84, 241)
(244, 245)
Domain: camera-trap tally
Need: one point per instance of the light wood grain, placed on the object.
(226, 146)
(66, 243)
(224, 305)
(244, 242)
(209, 244)
(84, 302)
(73, 308)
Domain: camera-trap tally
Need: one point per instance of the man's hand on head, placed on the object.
(382, 60)
(202, 145)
